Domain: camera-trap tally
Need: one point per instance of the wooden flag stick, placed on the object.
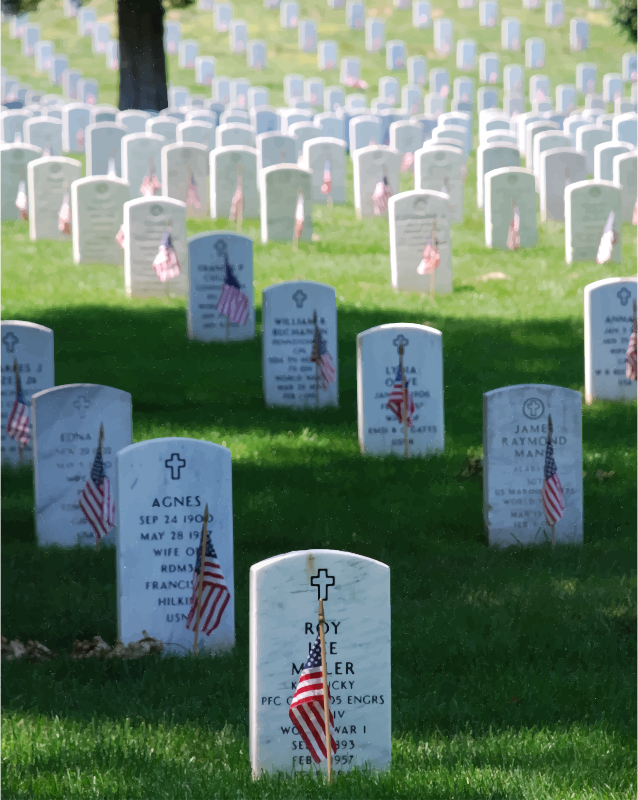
(100, 442)
(404, 413)
(550, 430)
(314, 320)
(240, 211)
(16, 369)
(295, 238)
(433, 273)
(326, 694)
(200, 587)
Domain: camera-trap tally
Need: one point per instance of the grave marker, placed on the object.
(624, 175)
(514, 440)
(587, 207)
(49, 181)
(142, 158)
(96, 206)
(279, 188)
(440, 169)
(372, 164)
(558, 168)
(508, 189)
(103, 142)
(228, 166)
(163, 487)
(14, 159)
(185, 176)
(45, 133)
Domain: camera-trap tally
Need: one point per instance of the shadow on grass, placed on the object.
(472, 628)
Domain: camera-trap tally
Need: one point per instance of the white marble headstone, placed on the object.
(14, 159)
(412, 216)
(514, 442)
(229, 135)
(587, 207)
(66, 426)
(279, 188)
(96, 208)
(162, 489)
(182, 163)
(558, 168)
(141, 152)
(284, 594)
(226, 163)
(103, 143)
(370, 165)
(505, 189)
(208, 253)
(322, 153)
(440, 169)
(49, 180)
(490, 157)
(75, 120)
(624, 172)
(289, 377)
(380, 432)
(44, 132)
(31, 346)
(146, 220)
(608, 326)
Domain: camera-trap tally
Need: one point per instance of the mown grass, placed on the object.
(513, 672)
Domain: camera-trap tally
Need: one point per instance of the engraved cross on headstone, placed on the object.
(300, 298)
(82, 404)
(175, 463)
(400, 340)
(623, 295)
(10, 340)
(322, 581)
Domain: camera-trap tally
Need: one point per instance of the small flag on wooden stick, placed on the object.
(514, 232)
(552, 496)
(96, 501)
(607, 241)
(64, 216)
(166, 263)
(21, 201)
(631, 371)
(237, 202)
(299, 219)
(18, 424)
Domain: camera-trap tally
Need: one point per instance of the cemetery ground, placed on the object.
(513, 672)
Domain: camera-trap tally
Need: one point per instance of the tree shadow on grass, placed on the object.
(471, 627)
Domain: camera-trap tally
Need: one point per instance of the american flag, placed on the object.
(431, 257)
(233, 303)
(166, 263)
(395, 403)
(326, 186)
(120, 236)
(407, 161)
(215, 593)
(192, 194)
(96, 500)
(306, 710)
(18, 426)
(513, 234)
(151, 182)
(355, 83)
(21, 201)
(632, 357)
(607, 241)
(322, 357)
(552, 491)
(382, 191)
(299, 216)
(237, 202)
(64, 216)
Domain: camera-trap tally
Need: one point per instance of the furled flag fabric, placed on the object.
(355, 83)
(111, 171)
(513, 234)
(215, 593)
(233, 303)
(631, 371)
(407, 161)
(21, 201)
(120, 236)
(326, 186)
(192, 193)
(321, 356)
(382, 192)
(79, 140)
(166, 263)
(552, 491)
(607, 241)
(64, 216)
(237, 202)
(151, 183)
(306, 710)
(431, 257)
(96, 501)
(299, 216)
(18, 426)
(395, 402)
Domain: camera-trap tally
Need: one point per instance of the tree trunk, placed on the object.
(142, 60)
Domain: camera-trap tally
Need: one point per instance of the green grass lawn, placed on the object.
(514, 673)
